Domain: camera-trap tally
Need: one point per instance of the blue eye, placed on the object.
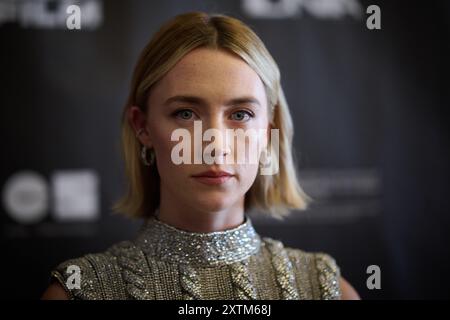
(241, 115)
(184, 114)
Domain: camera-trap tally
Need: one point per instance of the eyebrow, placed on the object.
(200, 101)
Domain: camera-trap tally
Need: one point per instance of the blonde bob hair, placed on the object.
(273, 194)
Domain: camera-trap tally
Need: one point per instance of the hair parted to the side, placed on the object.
(274, 194)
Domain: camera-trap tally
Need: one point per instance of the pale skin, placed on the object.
(224, 93)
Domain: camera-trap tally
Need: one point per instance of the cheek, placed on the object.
(163, 147)
(248, 150)
(167, 169)
(247, 176)
(163, 158)
(249, 170)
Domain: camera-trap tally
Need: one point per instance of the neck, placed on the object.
(184, 217)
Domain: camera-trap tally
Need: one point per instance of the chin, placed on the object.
(214, 203)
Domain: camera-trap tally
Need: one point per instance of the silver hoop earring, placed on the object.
(150, 161)
(139, 132)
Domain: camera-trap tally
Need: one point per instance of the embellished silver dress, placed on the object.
(163, 262)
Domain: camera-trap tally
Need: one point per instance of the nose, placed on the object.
(220, 150)
(218, 143)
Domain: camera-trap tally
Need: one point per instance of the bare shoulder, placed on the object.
(348, 292)
(55, 291)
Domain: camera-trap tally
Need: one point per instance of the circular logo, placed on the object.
(25, 197)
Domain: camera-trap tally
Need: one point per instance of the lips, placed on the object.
(213, 177)
(213, 174)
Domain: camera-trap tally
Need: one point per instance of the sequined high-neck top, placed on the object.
(164, 262)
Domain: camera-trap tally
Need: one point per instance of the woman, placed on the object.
(197, 241)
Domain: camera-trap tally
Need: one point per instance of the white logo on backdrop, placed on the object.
(281, 9)
(74, 194)
(25, 197)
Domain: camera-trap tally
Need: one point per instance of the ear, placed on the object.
(138, 121)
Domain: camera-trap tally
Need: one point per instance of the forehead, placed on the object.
(214, 74)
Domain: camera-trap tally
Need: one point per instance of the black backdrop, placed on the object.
(371, 138)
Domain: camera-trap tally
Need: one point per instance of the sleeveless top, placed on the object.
(164, 262)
